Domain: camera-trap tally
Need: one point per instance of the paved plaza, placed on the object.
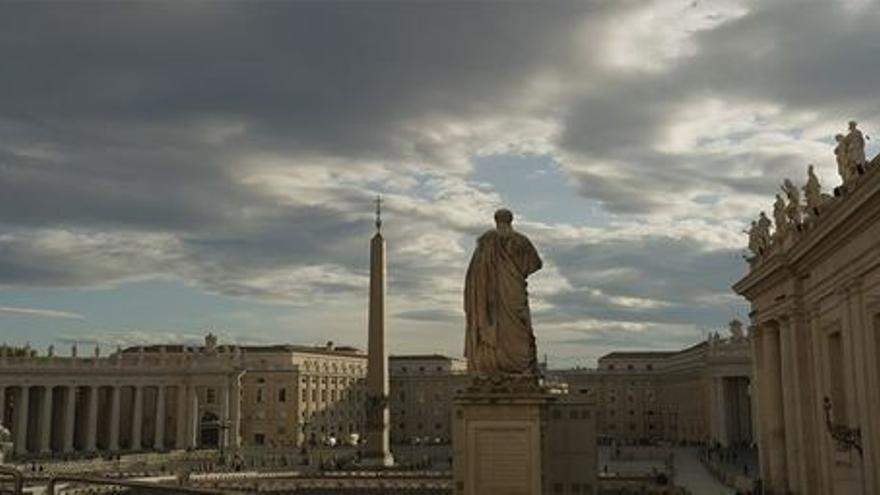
(688, 471)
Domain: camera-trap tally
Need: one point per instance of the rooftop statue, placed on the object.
(763, 231)
(793, 208)
(736, 329)
(855, 147)
(754, 240)
(840, 154)
(779, 217)
(813, 193)
(499, 338)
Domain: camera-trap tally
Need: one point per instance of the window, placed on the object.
(259, 439)
(649, 366)
(259, 395)
(629, 366)
(211, 396)
(282, 395)
(314, 395)
(610, 366)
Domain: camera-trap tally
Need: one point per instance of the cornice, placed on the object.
(843, 221)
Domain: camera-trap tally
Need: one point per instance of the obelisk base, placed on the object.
(522, 440)
(378, 462)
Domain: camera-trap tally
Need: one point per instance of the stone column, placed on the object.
(224, 414)
(3, 405)
(236, 411)
(721, 412)
(91, 442)
(180, 435)
(193, 437)
(789, 397)
(69, 418)
(46, 420)
(115, 393)
(137, 417)
(774, 412)
(21, 420)
(759, 399)
(159, 439)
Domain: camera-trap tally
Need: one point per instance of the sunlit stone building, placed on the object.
(174, 397)
(815, 300)
(695, 395)
(422, 389)
(289, 396)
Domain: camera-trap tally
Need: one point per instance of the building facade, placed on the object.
(129, 401)
(290, 396)
(159, 398)
(422, 389)
(697, 395)
(814, 289)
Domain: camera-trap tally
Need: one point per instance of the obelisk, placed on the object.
(377, 452)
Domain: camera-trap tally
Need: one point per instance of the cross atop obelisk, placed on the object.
(378, 213)
(377, 452)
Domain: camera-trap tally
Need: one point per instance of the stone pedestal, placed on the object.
(522, 439)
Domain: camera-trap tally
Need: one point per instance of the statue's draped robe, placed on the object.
(499, 337)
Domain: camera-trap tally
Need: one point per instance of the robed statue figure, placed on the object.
(499, 338)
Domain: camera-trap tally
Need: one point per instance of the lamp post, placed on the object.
(222, 426)
(847, 438)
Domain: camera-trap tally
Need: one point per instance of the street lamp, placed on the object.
(847, 438)
(222, 426)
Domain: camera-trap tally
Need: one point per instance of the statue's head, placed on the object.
(503, 217)
(852, 125)
(838, 137)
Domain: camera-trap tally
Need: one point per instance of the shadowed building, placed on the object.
(814, 289)
(695, 395)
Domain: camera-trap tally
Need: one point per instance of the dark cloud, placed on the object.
(238, 146)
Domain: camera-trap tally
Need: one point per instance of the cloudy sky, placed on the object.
(172, 168)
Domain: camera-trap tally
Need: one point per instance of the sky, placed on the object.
(173, 168)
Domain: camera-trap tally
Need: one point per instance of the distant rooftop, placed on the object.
(178, 348)
(650, 354)
(423, 357)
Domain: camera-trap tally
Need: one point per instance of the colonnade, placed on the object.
(63, 419)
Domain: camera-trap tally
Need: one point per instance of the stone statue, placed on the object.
(499, 337)
(763, 231)
(840, 154)
(793, 208)
(5, 443)
(73, 350)
(97, 351)
(754, 240)
(855, 147)
(779, 217)
(50, 352)
(736, 329)
(813, 193)
(210, 343)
